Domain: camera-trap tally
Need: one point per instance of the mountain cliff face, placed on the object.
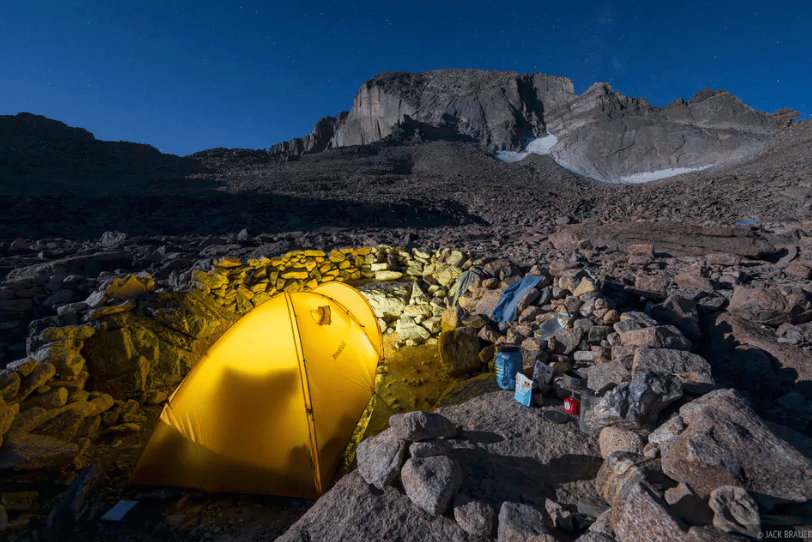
(601, 133)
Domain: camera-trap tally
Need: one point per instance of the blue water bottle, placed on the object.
(508, 362)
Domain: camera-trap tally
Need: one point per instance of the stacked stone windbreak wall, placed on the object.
(129, 344)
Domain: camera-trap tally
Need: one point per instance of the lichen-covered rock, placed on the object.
(387, 304)
(64, 355)
(42, 373)
(54, 398)
(407, 329)
(138, 352)
(27, 421)
(9, 384)
(7, 414)
(24, 366)
(65, 424)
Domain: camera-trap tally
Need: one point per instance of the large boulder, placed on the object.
(643, 516)
(459, 351)
(726, 443)
(36, 452)
(680, 312)
(765, 304)
(634, 404)
(688, 367)
(419, 425)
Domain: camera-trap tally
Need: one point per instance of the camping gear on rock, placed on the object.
(588, 402)
(508, 307)
(463, 283)
(556, 416)
(555, 323)
(571, 406)
(561, 391)
(508, 363)
(524, 389)
(573, 379)
(270, 407)
(543, 376)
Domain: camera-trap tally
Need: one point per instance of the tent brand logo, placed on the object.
(340, 349)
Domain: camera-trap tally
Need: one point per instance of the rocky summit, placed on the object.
(678, 312)
(601, 133)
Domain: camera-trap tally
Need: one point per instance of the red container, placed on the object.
(571, 406)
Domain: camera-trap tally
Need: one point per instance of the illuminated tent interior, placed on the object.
(271, 406)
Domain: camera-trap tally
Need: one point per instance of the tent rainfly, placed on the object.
(271, 406)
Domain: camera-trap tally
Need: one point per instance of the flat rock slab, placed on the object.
(527, 460)
(351, 512)
(674, 238)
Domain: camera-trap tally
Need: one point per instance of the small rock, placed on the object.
(655, 337)
(431, 482)
(428, 448)
(614, 439)
(734, 510)
(420, 425)
(380, 458)
(518, 522)
(474, 516)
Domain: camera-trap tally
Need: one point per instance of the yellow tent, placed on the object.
(271, 406)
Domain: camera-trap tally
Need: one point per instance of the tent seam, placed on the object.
(294, 326)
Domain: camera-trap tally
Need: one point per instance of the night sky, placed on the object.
(187, 76)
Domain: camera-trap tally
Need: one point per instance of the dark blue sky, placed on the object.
(187, 76)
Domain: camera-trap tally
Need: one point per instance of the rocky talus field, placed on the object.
(690, 316)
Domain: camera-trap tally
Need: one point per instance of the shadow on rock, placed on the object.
(216, 213)
(497, 479)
